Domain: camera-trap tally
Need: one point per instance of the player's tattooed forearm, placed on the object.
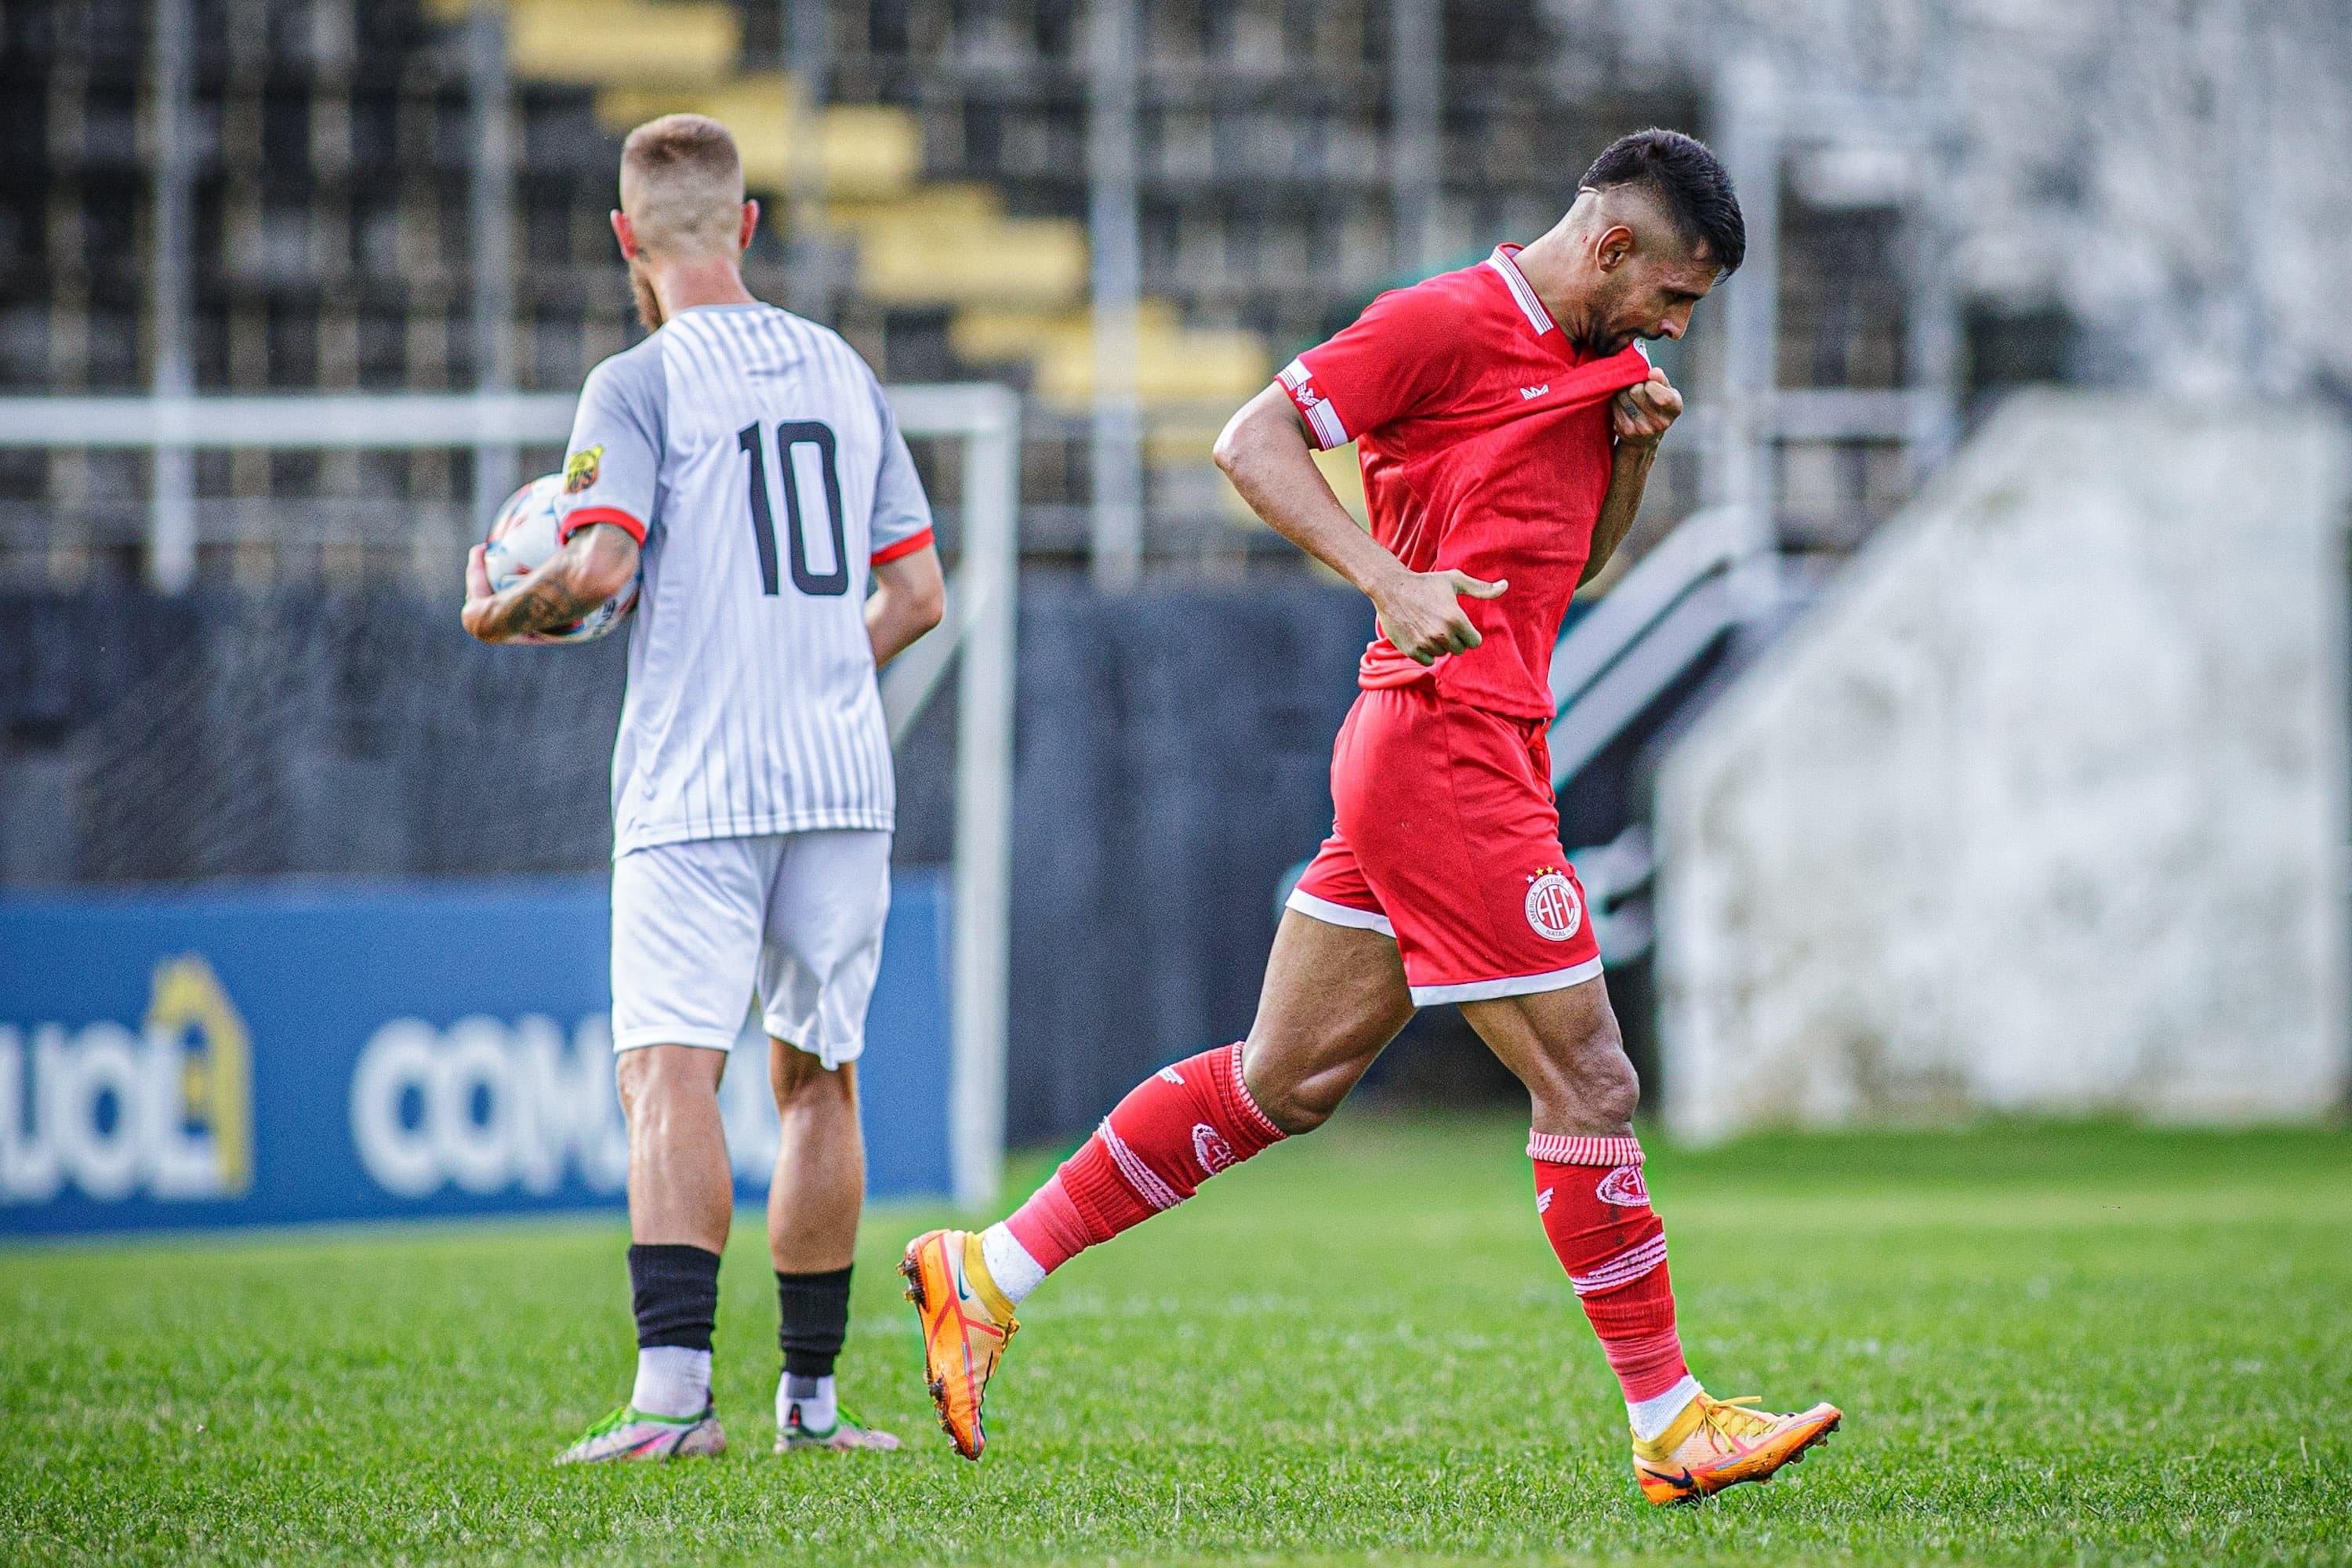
(547, 603)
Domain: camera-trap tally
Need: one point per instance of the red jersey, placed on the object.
(1485, 439)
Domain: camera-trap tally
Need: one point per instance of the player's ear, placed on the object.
(624, 232)
(751, 221)
(1616, 244)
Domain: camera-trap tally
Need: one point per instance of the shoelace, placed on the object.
(621, 1416)
(611, 1423)
(1734, 1419)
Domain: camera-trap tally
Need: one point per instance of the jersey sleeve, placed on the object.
(1394, 361)
(902, 514)
(613, 466)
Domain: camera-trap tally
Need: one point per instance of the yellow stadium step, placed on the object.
(953, 245)
(596, 42)
(1174, 364)
(1015, 283)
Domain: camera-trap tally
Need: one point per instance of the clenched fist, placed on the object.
(1641, 414)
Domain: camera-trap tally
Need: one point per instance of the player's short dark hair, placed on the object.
(1689, 178)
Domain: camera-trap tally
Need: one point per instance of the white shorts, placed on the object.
(698, 927)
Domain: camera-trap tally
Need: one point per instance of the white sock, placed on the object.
(1654, 1414)
(820, 1411)
(1008, 1263)
(672, 1381)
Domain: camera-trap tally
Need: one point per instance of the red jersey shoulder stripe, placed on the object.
(906, 546)
(575, 521)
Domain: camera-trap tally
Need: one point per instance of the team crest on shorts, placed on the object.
(1210, 1148)
(580, 469)
(1553, 907)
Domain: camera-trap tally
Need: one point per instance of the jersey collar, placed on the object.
(1522, 291)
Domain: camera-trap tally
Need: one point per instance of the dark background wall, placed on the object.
(1173, 749)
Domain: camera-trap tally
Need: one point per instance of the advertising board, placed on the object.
(274, 1054)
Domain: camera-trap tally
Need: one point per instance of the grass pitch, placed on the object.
(2072, 1344)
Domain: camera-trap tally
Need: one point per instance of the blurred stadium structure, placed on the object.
(1130, 214)
(2043, 806)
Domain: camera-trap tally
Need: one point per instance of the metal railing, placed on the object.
(1655, 624)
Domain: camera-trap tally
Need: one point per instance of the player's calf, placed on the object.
(1595, 1209)
(1180, 1126)
(1174, 1130)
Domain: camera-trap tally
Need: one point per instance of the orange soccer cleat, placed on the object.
(1720, 1442)
(966, 1322)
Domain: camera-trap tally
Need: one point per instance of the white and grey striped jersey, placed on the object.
(753, 456)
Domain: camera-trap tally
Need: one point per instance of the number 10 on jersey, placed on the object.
(791, 434)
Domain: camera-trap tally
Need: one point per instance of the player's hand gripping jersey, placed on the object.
(1485, 439)
(752, 455)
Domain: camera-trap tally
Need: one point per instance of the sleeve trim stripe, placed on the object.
(572, 523)
(906, 546)
(1323, 421)
(1327, 427)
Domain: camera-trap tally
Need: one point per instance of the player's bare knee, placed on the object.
(1613, 1092)
(629, 1074)
(653, 1078)
(1602, 1078)
(1299, 1101)
(1298, 1109)
(1587, 1083)
(801, 1079)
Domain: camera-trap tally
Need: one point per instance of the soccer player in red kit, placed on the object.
(1506, 422)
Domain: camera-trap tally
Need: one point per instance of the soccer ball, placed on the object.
(523, 538)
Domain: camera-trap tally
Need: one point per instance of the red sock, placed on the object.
(1596, 1213)
(1173, 1131)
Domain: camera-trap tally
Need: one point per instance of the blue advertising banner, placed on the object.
(274, 1054)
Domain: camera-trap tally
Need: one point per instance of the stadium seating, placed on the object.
(1015, 286)
(334, 245)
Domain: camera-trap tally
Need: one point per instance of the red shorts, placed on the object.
(1444, 837)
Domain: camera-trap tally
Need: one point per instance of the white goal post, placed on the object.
(981, 619)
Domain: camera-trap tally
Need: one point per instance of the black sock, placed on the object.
(676, 1291)
(813, 1315)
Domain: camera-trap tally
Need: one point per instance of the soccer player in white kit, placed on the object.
(746, 460)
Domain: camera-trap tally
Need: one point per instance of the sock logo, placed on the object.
(1543, 1201)
(1170, 1074)
(1624, 1186)
(1553, 909)
(1210, 1148)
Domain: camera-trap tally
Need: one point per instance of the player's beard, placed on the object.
(649, 309)
(1595, 338)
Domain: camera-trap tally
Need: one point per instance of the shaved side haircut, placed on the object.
(1687, 181)
(682, 186)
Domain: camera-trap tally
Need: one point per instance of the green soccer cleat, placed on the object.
(845, 1434)
(631, 1433)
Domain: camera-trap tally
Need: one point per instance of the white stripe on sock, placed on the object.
(672, 1381)
(1655, 1413)
(1141, 1179)
(1008, 1263)
(1623, 1269)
